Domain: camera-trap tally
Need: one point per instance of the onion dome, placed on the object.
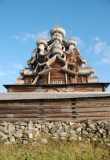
(85, 70)
(71, 42)
(57, 45)
(27, 72)
(56, 37)
(93, 79)
(41, 41)
(57, 51)
(59, 30)
(91, 70)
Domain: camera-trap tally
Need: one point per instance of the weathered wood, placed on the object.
(77, 87)
(53, 119)
(83, 110)
(34, 119)
(99, 114)
(81, 119)
(36, 106)
(84, 106)
(30, 110)
(70, 109)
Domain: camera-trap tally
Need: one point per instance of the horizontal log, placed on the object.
(36, 104)
(92, 100)
(81, 119)
(98, 100)
(36, 107)
(60, 115)
(59, 119)
(53, 111)
(35, 119)
(54, 107)
(10, 119)
(19, 112)
(36, 115)
(45, 115)
(90, 105)
(99, 114)
(82, 110)
(54, 104)
(54, 115)
(44, 111)
(19, 115)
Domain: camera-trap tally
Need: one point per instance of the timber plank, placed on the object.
(36, 111)
(79, 119)
(28, 115)
(91, 105)
(10, 119)
(19, 111)
(46, 110)
(80, 101)
(18, 102)
(99, 114)
(65, 119)
(60, 115)
(102, 109)
(7, 115)
(23, 115)
(37, 106)
(52, 119)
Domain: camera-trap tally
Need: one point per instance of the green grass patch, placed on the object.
(55, 150)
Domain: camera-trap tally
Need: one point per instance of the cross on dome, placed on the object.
(70, 34)
(57, 21)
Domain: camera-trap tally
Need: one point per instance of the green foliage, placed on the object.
(25, 157)
(2, 140)
(52, 156)
(80, 158)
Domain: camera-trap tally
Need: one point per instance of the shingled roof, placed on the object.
(49, 95)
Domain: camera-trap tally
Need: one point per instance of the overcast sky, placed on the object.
(23, 22)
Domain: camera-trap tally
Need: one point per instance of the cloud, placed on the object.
(24, 37)
(44, 34)
(2, 73)
(101, 49)
(105, 61)
(96, 38)
(16, 67)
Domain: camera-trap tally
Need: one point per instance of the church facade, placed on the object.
(57, 65)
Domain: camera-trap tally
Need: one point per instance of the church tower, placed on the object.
(56, 65)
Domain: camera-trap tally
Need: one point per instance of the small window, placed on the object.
(57, 82)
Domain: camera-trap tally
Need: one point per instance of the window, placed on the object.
(57, 82)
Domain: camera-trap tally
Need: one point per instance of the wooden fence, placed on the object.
(67, 109)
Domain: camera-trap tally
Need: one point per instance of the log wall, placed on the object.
(81, 87)
(72, 109)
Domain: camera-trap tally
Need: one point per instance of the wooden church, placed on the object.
(56, 86)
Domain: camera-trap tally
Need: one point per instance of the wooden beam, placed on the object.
(66, 78)
(49, 78)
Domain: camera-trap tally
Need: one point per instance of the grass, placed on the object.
(55, 150)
